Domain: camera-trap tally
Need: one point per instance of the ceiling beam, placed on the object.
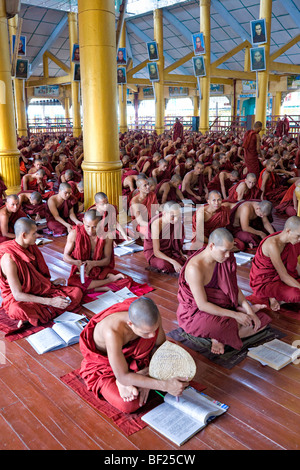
(292, 9)
(285, 48)
(227, 16)
(54, 35)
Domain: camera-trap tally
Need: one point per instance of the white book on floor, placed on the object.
(59, 336)
(276, 354)
(187, 201)
(40, 221)
(69, 317)
(81, 271)
(182, 419)
(42, 241)
(127, 242)
(127, 250)
(108, 299)
(242, 258)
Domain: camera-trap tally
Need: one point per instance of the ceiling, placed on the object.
(46, 28)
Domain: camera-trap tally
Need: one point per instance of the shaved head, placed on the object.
(100, 196)
(23, 225)
(12, 197)
(266, 207)
(143, 312)
(292, 223)
(64, 187)
(90, 216)
(219, 236)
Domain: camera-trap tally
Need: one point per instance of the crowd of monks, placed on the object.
(234, 182)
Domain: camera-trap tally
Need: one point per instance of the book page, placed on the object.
(195, 405)
(268, 356)
(124, 293)
(172, 423)
(45, 340)
(282, 347)
(104, 301)
(68, 316)
(68, 331)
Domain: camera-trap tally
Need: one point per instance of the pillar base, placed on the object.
(10, 170)
(123, 129)
(77, 131)
(104, 177)
(22, 132)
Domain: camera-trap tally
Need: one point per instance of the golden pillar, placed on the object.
(277, 104)
(75, 86)
(19, 88)
(196, 105)
(205, 81)
(101, 166)
(123, 90)
(159, 86)
(263, 77)
(67, 107)
(9, 153)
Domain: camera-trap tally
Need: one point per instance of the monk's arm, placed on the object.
(69, 249)
(179, 196)
(267, 225)
(187, 187)
(245, 225)
(106, 257)
(10, 270)
(73, 217)
(274, 255)
(295, 202)
(25, 183)
(125, 377)
(4, 227)
(222, 183)
(195, 279)
(263, 184)
(165, 193)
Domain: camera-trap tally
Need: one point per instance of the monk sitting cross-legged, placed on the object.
(211, 305)
(117, 345)
(84, 247)
(164, 241)
(60, 214)
(9, 214)
(143, 206)
(275, 270)
(27, 291)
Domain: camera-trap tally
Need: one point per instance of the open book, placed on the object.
(122, 250)
(108, 299)
(64, 332)
(275, 354)
(42, 241)
(182, 419)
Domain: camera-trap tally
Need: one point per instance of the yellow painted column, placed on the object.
(159, 86)
(205, 81)
(9, 153)
(263, 77)
(75, 86)
(196, 105)
(122, 90)
(19, 88)
(277, 105)
(102, 165)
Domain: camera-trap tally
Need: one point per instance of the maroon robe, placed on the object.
(64, 210)
(147, 208)
(96, 369)
(171, 242)
(250, 152)
(197, 189)
(253, 193)
(14, 216)
(222, 290)
(34, 277)
(264, 279)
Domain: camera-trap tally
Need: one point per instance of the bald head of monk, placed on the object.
(292, 229)
(35, 198)
(26, 231)
(144, 317)
(90, 222)
(257, 126)
(152, 182)
(69, 175)
(189, 163)
(176, 180)
(199, 168)
(220, 244)
(250, 180)
(12, 203)
(214, 199)
(171, 212)
(101, 202)
(263, 208)
(143, 185)
(64, 191)
(234, 176)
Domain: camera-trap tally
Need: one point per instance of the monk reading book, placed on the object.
(27, 291)
(33, 205)
(164, 241)
(117, 345)
(211, 305)
(275, 272)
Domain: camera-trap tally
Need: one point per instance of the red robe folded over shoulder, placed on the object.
(95, 367)
(222, 290)
(14, 216)
(147, 209)
(34, 277)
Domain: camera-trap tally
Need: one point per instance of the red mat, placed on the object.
(127, 423)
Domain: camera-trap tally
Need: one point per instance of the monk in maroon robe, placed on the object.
(193, 184)
(169, 190)
(60, 215)
(275, 272)
(33, 205)
(268, 183)
(177, 130)
(245, 190)
(143, 207)
(251, 146)
(164, 242)
(9, 214)
(211, 305)
(27, 291)
(288, 204)
(223, 181)
(117, 345)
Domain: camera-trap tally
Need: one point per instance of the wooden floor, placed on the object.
(38, 411)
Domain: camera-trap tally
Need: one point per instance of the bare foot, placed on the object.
(274, 304)
(128, 393)
(217, 347)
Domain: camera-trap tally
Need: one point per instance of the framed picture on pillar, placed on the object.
(121, 75)
(121, 56)
(258, 31)
(198, 43)
(76, 76)
(257, 59)
(21, 45)
(199, 66)
(76, 53)
(152, 50)
(153, 72)
(22, 69)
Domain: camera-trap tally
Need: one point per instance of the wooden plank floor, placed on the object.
(38, 411)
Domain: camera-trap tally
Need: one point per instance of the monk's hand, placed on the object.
(60, 281)
(176, 386)
(88, 267)
(177, 266)
(243, 319)
(256, 323)
(59, 302)
(69, 228)
(143, 396)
